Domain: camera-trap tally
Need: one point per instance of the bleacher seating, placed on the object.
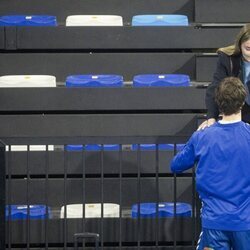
(24, 81)
(92, 210)
(92, 147)
(21, 148)
(94, 81)
(94, 20)
(160, 147)
(160, 20)
(20, 212)
(28, 20)
(136, 47)
(165, 209)
(164, 80)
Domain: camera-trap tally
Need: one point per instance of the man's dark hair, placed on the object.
(230, 95)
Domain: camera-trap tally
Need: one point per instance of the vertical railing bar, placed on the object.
(46, 195)
(193, 209)
(157, 196)
(75, 244)
(83, 187)
(9, 167)
(138, 194)
(97, 242)
(120, 196)
(28, 203)
(65, 224)
(175, 200)
(2, 196)
(102, 194)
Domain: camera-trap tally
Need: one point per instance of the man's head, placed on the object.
(230, 96)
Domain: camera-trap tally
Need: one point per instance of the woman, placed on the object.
(232, 61)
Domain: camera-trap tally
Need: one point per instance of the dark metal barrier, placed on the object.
(58, 228)
(125, 176)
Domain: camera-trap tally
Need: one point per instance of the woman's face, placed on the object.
(245, 49)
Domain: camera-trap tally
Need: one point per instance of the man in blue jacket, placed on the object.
(222, 154)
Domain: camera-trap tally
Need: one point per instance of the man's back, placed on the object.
(222, 154)
(222, 176)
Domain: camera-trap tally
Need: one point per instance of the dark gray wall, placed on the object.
(223, 11)
(127, 64)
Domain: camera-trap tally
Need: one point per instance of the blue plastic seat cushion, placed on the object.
(165, 209)
(21, 211)
(93, 147)
(33, 20)
(165, 80)
(170, 147)
(160, 20)
(94, 81)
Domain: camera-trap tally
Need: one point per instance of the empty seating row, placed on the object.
(95, 147)
(94, 20)
(147, 80)
(93, 210)
(115, 147)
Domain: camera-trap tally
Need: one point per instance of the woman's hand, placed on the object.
(207, 124)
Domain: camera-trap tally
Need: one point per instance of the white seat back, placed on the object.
(92, 210)
(22, 81)
(94, 20)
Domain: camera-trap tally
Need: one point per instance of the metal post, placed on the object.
(2, 196)
(157, 195)
(139, 195)
(175, 200)
(120, 196)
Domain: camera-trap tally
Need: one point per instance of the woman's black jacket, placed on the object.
(226, 66)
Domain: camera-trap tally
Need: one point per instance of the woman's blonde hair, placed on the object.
(235, 49)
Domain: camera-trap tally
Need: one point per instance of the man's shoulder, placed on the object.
(207, 133)
(218, 128)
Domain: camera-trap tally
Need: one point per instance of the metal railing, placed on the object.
(112, 233)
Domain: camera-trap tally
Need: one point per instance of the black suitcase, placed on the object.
(82, 236)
